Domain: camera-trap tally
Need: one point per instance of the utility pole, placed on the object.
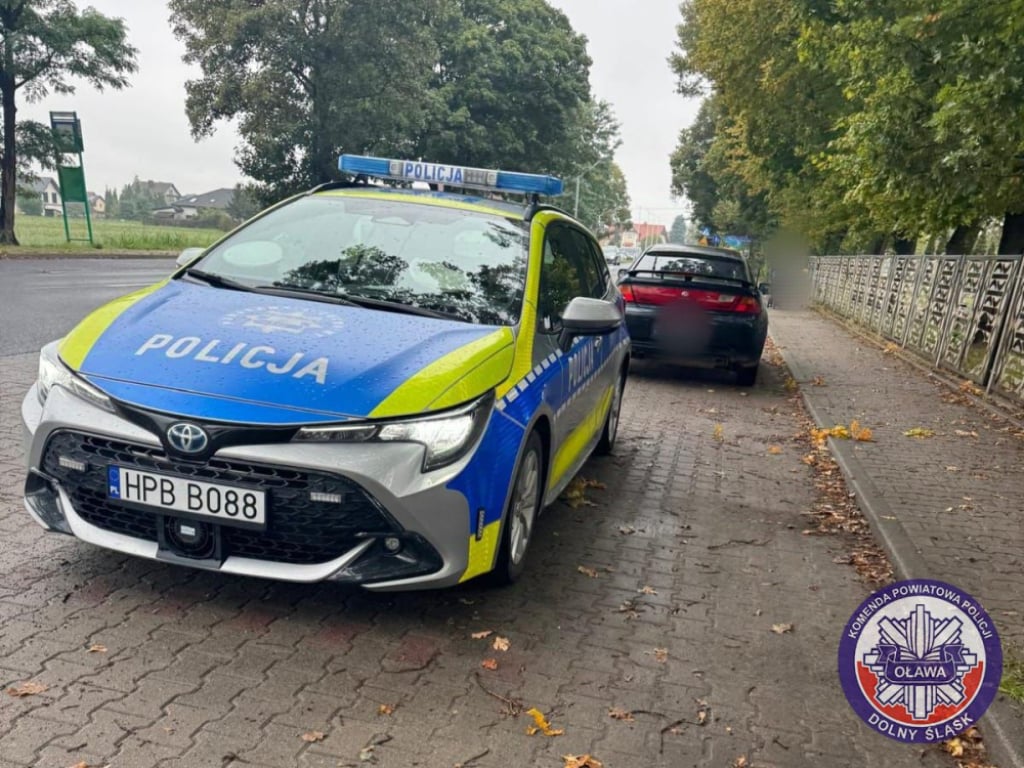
(579, 179)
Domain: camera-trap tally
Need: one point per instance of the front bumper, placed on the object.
(385, 495)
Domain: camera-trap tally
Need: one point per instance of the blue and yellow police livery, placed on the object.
(368, 383)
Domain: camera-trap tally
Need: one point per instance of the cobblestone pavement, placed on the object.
(959, 495)
(697, 548)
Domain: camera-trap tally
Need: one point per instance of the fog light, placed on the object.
(73, 464)
(318, 497)
(392, 544)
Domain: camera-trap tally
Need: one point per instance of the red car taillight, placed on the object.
(748, 305)
(627, 294)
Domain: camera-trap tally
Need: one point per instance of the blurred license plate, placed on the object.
(227, 504)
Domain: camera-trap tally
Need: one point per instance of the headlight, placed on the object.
(53, 373)
(447, 436)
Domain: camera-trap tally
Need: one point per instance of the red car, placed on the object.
(697, 306)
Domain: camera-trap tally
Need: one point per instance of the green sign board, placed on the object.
(72, 184)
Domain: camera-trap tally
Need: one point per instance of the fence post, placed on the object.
(947, 321)
(918, 279)
(1002, 339)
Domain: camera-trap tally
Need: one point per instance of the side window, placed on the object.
(559, 279)
(603, 282)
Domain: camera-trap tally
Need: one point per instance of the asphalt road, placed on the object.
(42, 299)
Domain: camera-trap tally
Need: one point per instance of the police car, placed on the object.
(367, 383)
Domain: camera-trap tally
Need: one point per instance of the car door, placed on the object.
(569, 270)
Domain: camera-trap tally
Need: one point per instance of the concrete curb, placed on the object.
(92, 254)
(1003, 725)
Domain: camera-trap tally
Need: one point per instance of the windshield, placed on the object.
(469, 265)
(693, 264)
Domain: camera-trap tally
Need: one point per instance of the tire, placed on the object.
(611, 425)
(524, 506)
(746, 377)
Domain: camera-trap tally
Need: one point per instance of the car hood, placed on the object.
(233, 356)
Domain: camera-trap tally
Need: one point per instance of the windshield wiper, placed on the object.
(217, 281)
(306, 293)
(366, 302)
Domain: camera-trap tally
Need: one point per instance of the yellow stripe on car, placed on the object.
(578, 439)
(76, 345)
(482, 552)
(453, 379)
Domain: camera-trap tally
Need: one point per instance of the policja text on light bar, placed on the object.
(453, 175)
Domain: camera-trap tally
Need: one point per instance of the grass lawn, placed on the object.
(1013, 677)
(39, 233)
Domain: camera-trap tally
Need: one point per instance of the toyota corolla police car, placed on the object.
(369, 384)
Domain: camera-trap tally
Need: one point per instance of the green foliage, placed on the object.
(48, 47)
(30, 205)
(245, 204)
(490, 83)
(677, 234)
(857, 124)
(138, 200)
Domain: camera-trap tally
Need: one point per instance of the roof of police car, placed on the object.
(465, 202)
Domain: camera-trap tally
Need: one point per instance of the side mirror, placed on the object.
(623, 273)
(588, 317)
(764, 288)
(188, 255)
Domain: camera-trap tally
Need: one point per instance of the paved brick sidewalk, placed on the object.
(206, 671)
(953, 502)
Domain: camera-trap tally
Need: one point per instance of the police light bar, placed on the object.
(451, 175)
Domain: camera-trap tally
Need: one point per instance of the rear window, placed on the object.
(692, 264)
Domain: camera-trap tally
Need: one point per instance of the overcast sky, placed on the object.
(143, 129)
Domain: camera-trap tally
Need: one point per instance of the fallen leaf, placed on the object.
(702, 717)
(791, 385)
(81, 764)
(740, 762)
(774, 450)
(627, 530)
(647, 590)
(311, 737)
(891, 349)
(719, 432)
(482, 635)
(491, 664)
(920, 432)
(952, 469)
(97, 648)
(661, 655)
(781, 629)
(541, 724)
(965, 433)
(25, 689)
(818, 381)
(500, 644)
(620, 714)
(591, 572)
(955, 747)
(386, 709)
(860, 433)
(581, 761)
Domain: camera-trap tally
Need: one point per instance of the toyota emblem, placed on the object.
(187, 438)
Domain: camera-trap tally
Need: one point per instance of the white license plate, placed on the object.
(228, 504)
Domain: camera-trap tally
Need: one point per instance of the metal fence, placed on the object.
(963, 313)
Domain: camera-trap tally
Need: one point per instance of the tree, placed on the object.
(513, 85)
(47, 45)
(244, 203)
(31, 205)
(677, 234)
(112, 203)
(310, 79)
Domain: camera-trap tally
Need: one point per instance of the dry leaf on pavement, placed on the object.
(311, 737)
(541, 724)
(627, 530)
(781, 629)
(861, 433)
(582, 761)
(386, 709)
(774, 450)
(97, 648)
(920, 432)
(591, 572)
(965, 433)
(719, 432)
(740, 762)
(661, 655)
(647, 590)
(482, 635)
(620, 714)
(491, 664)
(500, 644)
(25, 689)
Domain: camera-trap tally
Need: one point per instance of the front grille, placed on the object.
(298, 530)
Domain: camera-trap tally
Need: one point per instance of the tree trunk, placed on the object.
(962, 241)
(1012, 241)
(904, 247)
(877, 246)
(9, 163)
